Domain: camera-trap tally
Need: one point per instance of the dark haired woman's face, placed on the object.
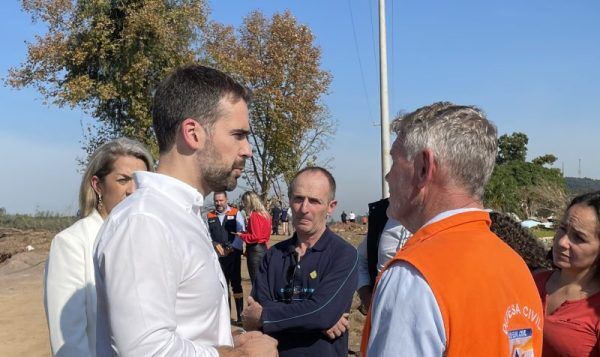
(576, 243)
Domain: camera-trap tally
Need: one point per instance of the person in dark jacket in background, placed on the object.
(275, 216)
(385, 236)
(223, 222)
(304, 287)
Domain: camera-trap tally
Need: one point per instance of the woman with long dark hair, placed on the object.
(571, 293)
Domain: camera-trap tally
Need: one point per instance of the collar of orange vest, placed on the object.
(231, 212)
(450, 222)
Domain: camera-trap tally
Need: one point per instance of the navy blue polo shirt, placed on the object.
(302, 298)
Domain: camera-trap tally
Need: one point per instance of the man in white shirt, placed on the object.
(385, 236)
(352, 217)
(161, 291)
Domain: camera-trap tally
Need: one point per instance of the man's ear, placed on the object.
(425, 168)
(331, 207)
(193, 135)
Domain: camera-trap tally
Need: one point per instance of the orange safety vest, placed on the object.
(232, 212)
(486, 294)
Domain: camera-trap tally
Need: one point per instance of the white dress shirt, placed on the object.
(160, 287)
(405, 317)
(393, 237)
(70, 289)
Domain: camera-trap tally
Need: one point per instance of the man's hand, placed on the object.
(365, 293)
(339, 328)
(251, 344)
(251, 315)
(219, 249)
(241, 338)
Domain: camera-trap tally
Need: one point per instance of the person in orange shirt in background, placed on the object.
(454, 289)
(222, 223)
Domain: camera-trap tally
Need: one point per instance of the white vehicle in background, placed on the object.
(532, 223)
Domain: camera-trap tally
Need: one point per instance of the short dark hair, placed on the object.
(314, 169)
(220, 193)
(192, 91)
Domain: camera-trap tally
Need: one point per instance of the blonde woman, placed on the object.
(69, 283)
(258, 231)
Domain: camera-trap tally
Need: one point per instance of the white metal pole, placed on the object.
(386, 161)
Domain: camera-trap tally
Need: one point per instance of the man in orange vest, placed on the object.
(223, 222)
(454, 289)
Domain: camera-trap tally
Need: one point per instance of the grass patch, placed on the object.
(41, 220)
(542, 232)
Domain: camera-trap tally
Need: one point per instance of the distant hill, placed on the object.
(577, 186)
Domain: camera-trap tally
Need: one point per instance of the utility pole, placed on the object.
(579, 170)
(386, 160)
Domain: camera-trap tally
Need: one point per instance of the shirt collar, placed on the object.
(95, 215)
(180, 192)
(321, 244)
(446, 214)
(227, 209)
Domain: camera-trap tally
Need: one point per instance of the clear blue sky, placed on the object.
(533, 66)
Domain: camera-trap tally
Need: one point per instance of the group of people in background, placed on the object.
(281, 217)
(437, 274)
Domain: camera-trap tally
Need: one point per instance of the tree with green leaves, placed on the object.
(521, 187)
(512, 147)
(106, 57)
(547, 159)
(277, 59)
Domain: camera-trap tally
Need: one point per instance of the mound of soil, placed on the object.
(14, 241)
(354, 233)
(23, 261)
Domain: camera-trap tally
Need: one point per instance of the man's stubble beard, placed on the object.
(217, 175)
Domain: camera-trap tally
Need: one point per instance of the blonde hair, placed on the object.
(252, 203)
(101, 164)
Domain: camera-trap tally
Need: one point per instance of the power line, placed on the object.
(392, 87)
(362, 74)
(372, 32)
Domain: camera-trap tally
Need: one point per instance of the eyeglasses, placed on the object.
(290, 290)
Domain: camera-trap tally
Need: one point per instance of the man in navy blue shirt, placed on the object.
(304, 287)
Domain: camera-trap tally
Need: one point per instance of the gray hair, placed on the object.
(461, 138)
(101, 164)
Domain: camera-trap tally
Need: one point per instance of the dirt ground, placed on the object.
(23, 329)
